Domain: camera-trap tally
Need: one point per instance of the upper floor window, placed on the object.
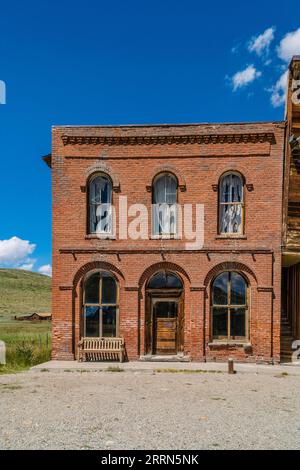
(100, 210)
(164, 204)
(231, 204)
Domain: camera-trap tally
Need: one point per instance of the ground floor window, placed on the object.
(229, 307)
(100, 305)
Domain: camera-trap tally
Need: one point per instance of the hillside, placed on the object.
(23, 292)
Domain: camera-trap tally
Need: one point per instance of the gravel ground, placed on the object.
(146, 410)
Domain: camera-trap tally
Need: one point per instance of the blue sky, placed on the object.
(96, 62)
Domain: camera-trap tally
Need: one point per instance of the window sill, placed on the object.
(100, 236)
(240, 344)
(231, 237)
(165, 237)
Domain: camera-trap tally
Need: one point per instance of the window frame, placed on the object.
(92, 177)
(242, 204)
(229, 307)
(100, 304)
(169, 235)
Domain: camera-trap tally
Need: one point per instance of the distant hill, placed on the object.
(23, 292)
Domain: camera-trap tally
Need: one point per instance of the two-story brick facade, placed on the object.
(163, 294)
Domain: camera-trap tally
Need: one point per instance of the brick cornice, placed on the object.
(237, 138)
(153, 250)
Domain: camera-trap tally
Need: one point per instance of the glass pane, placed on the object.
(238, 323)
(157, 281)
(91, 320)
(230, 218)
(225, 189)
(92, 289)
(163, 219)
(171, 189)
(236, 189)
(159, 193)
(109, 289)
(220, 322)
(163, 280)
(231, 189)
(224, 218)
(109, 320)
(236, 218)
(173, 281)
(238, 289)
(103, 218)
(165, 309)
(100, 190)
(220, 289)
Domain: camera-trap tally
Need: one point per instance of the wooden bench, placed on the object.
(99, 349)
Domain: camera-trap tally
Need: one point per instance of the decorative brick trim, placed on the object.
(228, 266)
(168, 169)
(100, 167)
(170, 139)
(103, 265)
(131, 289)
(265, 288)
(65, 287)
(164, 265)
(116, 251)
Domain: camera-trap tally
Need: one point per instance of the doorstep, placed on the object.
(165, 358)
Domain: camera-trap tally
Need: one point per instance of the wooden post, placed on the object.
(231, 366)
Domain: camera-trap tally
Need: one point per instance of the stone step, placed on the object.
(176, 358)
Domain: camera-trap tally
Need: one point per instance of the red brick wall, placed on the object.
(199, 166)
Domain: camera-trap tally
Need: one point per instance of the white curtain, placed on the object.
(100, 192)
(164, 205)
(231, 204)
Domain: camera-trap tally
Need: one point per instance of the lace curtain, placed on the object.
(164, 205)
(100, 191)
(231, 204)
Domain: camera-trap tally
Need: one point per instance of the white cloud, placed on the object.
(261, 44)
(15, 252)
(244, 77)
(27, 266)
(278, 91)
(289, 45)
(46, 269)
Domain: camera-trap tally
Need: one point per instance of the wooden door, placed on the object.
(180, 325)
(148, 324)
(165, 327)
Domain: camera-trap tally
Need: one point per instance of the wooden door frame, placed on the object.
(155, 296)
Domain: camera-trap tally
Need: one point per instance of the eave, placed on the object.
(48, 160)
(169, 139)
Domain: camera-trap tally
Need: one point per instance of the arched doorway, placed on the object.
(164, 315)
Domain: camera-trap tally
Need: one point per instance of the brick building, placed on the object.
(226, 295)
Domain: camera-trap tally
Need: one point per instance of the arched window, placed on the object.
(100, 209)
(164, 204)
(229, 307)
(100, 305)
(231, 204)
(165, 280)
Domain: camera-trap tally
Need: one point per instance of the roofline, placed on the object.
(111, 126)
